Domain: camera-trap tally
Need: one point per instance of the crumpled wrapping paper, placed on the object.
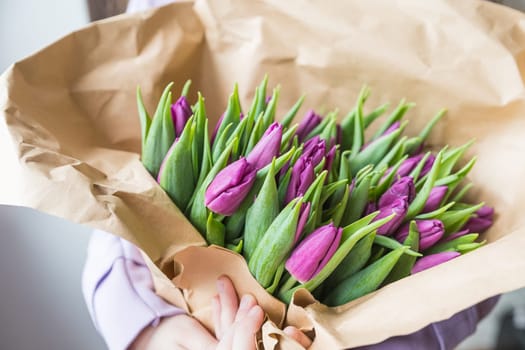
(70, 133)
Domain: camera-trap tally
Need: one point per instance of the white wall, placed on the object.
(41, 257)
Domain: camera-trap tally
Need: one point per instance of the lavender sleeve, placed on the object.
(443, 335)
(118, 290)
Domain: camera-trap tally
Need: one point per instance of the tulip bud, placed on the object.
(430, 231)
(434, 199)
(399, 207)
(228, 189)
(456, 235)
(303, 218)
(216, 129)
(330, 158)
(392, 128)
(267, 147)
(301, 178)
(315, 148)
(275, 245)
(370, 208)
(428, 165)
(404, 187)
(309, 122)
(408, 165)
(180, 113)
(481, 221)
(395, 126)
(314, 252)
(429, 261)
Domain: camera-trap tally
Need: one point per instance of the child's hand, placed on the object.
(235, 326)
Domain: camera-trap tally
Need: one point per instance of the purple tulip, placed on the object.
(456, 235)
(404, 187)
(408, 165)
(216, 129)
(267, 147)
(482, 221)
(434, 199)
(228, 189)
(301, 178)
(429, 261)
(330, 158)
(370, 208)
(180, 113)
(315, 148)
(430, 232)
(303, 218)
(399, 207)
(392, 128)
(428, 165)
(309, 122)
(312, 254)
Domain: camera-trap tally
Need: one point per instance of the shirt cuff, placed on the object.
(119, 292)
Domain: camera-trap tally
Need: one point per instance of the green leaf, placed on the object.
(290, 115)
(357, 201)
(422, 196)
(198, 213)
(364, 281)
(452, 244)
(404, 265)
(376, 113)
(454, 220)
(214, 231)
(145, 120)
(161, 134)
(395, 116)
(186, 88)
(261, 213)
(375, 151)
(275, 245)
(392, 244)
(176, 177)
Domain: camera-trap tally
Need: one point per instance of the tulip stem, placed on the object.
(289, 284)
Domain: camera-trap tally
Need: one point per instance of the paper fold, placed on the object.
(69, 118)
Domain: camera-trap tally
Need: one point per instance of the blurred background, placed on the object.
(41, 257)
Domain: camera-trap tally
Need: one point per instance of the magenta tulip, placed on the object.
(309, 122)
(228, 189)
(482, 220)
(434, 199)
(312, 254)
(399, 207)
(404, 187)
(267, 147)
(429, 261)
(430, 232)
(180, 113)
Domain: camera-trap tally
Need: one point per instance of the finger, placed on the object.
(195, 335)
(247, 328)
(298, 336)
(216, 315)
(228, 300)
(247, 302)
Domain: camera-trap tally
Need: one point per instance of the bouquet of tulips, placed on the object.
(314, 205)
